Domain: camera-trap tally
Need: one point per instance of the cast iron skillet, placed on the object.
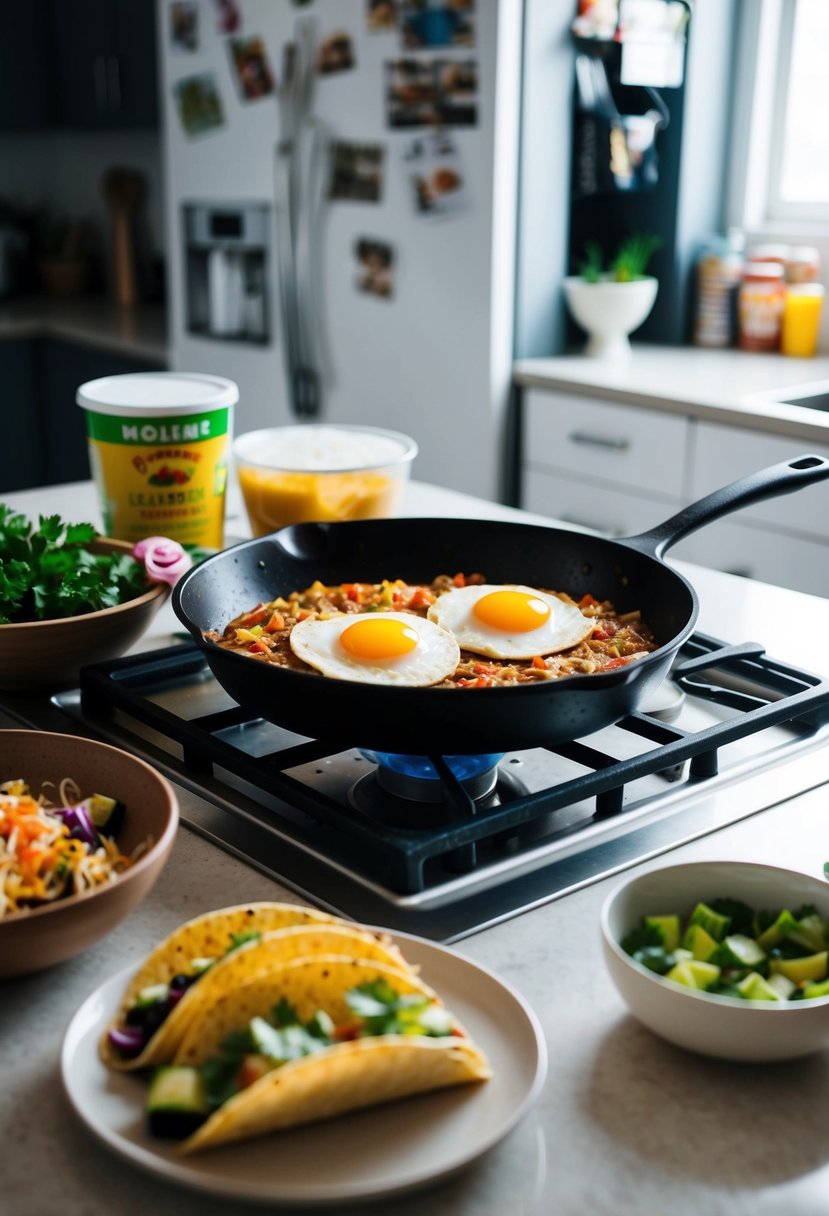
(432, 721)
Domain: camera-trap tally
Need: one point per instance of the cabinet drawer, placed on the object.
(723, 453)
(611, 512)
(642, 449)
(752, 551)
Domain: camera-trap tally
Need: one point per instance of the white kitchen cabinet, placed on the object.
(619, 469)
(626, 447)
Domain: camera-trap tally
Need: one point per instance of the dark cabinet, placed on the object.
(105, 63)
(62, 367)
(47, 429)
(23, 463)
(25, 57)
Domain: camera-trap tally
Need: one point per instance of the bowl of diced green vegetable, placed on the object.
(728, 959)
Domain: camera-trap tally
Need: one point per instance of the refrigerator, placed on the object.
(341, 189)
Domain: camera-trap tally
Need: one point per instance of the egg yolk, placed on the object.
(379, 638)
(512, 611)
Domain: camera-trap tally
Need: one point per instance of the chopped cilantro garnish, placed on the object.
(47, 572)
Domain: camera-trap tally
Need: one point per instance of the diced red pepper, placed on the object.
(258, 648)
(421, 598)
(601, 634)
(588, 601)
(254, 617)
(251, 1070)
(276, 623)
(620, 662)
(351, 592)
(459, 580)
(539, 662)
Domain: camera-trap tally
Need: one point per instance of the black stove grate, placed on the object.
(408, 858)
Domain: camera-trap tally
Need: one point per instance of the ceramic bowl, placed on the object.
(318, 472)
(33, 939)
(49, 654)
(724, 1027)
(609, 311)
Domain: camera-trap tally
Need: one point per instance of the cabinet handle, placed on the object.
(99, 82)
(599, 441)
(114, 82)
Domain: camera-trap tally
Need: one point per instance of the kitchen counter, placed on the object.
(140, 332)
(726, 386)
(626, 1125)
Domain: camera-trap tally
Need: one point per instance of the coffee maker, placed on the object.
(227, 261)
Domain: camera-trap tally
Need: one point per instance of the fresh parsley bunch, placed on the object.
(47, 571)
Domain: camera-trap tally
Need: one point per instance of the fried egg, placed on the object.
(377, 648)
(509, 622)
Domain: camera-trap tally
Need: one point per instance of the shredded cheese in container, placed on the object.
(39, 859)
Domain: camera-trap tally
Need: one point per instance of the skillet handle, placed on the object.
(777, 479)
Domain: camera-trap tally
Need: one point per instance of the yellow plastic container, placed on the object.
(158, 447)
(801, 319)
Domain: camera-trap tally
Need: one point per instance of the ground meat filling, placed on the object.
(263, 633)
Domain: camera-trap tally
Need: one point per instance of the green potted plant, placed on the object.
(609, 304)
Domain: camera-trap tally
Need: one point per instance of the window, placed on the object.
(780, 147)
(799, 154)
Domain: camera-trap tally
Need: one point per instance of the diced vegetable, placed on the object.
(176, 1103)
(729, 950)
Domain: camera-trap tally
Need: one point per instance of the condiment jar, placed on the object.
(803, 265)
(719, 270)
(760, 306)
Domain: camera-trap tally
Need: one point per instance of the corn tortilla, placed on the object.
(206, 936)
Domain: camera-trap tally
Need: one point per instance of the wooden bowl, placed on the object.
(49, 654)
(33, 939)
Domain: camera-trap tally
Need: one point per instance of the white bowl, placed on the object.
(608, 311)
(724, 1027)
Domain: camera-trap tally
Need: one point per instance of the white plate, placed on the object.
(379, 1152)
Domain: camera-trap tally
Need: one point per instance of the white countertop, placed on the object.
(729, 386)
(140, 332)
(626, 1125)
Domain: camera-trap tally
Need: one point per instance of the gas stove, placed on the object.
(444, 846)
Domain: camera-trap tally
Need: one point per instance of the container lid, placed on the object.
(157, 394)
(763, 270)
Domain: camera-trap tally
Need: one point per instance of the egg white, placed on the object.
(434, 658)
(566, 626)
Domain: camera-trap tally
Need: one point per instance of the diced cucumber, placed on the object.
(693, 973)
(712, 922)
(799, 970)
(700, 942)
(106, 813)
(669, 927)
(176, 1103)
(814, 990)
(737, 950)
(755, 988)
(782, 986)
(809, 932)
(776, 932)
(152, 994)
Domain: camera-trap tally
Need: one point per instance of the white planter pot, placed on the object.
(608, 311)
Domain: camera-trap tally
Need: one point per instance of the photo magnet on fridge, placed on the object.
(431, 93)
(375, 267)
(184, 26)
(429, 23)
(250, 64)
(199, 104)
(436, 175)
(357, 172)
(336, 54)
(228, 17)
(382, 15)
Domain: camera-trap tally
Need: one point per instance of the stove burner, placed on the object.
(423, 802)
(416, 778)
